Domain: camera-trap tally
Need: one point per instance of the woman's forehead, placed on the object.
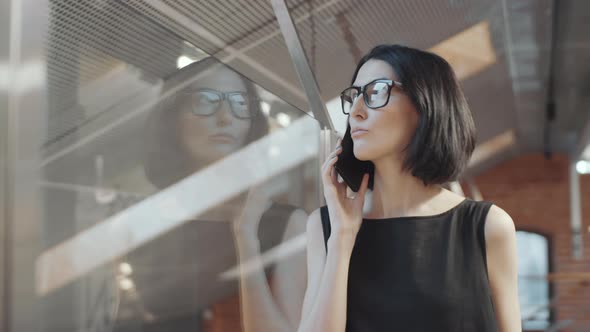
(372, 70)
(223, 79)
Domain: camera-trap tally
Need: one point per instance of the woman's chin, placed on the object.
(362, 154)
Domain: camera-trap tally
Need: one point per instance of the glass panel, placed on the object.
(156, 216)
(159, 214)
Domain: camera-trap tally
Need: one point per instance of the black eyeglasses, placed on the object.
(206, 102)
(375, 94)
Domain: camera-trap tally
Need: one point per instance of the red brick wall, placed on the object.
(226, 314)
(535, 192)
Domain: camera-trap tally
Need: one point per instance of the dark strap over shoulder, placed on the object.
(325, 225)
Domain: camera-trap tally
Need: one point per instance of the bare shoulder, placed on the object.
(316, 258)
(499, 225)
(296, 223)
(314, 223)
(502, 265)
(315, 233)
(298, 214)
(300, 222)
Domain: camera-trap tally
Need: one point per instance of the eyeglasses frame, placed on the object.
(225, 96)
(361, 91)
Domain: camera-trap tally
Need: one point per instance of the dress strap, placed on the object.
(325, 225)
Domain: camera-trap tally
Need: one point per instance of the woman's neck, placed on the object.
(396, 193)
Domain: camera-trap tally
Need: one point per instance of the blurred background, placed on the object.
(159, 158)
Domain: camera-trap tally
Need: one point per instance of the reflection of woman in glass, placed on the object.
(212, 112)
(416, 257)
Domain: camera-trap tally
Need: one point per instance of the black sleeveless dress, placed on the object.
(177, 274)
(420, 273)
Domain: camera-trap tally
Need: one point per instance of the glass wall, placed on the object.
(160, 157)
(172, 171)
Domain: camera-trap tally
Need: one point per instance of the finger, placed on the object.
(339, 143)
(337, 150)
(340, 186)
(328, 168)
(334, 172)
(329, 174)
(327, 164)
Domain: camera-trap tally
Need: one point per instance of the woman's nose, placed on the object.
(358, 108)
(224, 114)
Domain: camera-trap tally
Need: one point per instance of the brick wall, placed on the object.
(535, 192)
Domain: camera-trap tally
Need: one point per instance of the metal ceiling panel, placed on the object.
(89, 39)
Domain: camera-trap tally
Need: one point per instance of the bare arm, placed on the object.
(316, 259)
(261, 309)
(325, 299)
(502, 268)
(289, 278)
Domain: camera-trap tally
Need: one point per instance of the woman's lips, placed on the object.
(220, 138)
(358, 133)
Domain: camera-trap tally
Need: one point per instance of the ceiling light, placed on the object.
(265, 107)
(190, 53)
(583, 167)
(283, 119)
(125, 269)
(126, 284)
(183, 61)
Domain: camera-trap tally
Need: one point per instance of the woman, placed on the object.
(210, 111)
(415, 257)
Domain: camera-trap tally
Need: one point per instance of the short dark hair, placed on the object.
(166, 161)
(444, 140)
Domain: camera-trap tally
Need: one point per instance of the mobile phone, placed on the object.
(349, 167)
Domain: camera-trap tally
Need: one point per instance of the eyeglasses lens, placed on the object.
(348, 98)
(376, 94)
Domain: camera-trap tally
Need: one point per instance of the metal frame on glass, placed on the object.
(308, 82)
(302, 67)
(23, 105)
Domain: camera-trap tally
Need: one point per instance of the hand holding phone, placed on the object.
(350, 168)
(346, 214)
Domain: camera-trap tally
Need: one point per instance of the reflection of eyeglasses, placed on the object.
(206, 102)
(375, 94)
